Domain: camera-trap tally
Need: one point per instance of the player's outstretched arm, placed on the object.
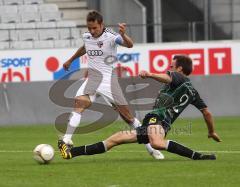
(127, 41)
(164, 78)
(210, 125)
(80, 52)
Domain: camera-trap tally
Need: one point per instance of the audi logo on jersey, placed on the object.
(94, 53)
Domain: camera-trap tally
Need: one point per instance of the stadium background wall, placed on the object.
(29, 103)
(26, 77)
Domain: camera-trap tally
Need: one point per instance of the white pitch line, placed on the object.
(15, 151)
(206, 151)
(201, 151)
(231, 152)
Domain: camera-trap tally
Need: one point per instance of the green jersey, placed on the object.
(174, 97)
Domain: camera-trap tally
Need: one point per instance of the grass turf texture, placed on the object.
(127, 165)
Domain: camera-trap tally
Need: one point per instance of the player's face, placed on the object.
(173, 66)
(95, 28)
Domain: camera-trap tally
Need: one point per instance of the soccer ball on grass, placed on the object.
(43, 153)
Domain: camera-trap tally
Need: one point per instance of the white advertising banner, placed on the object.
(209, 58)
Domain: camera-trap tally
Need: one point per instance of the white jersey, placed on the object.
(101, 78)
(100, 49)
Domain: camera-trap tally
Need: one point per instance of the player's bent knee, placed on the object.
(156, 144)
(81, 104)
(115, 139)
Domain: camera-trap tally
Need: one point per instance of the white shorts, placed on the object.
(108, 88)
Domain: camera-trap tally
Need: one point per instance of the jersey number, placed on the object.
(183, 100)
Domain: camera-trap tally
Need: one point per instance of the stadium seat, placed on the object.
(51, 16)
(62, 43)
(27, 8)
(7, 26)
(48, 34)
(4, 45)
(83, 30)
(76, 33)
(13, 2)
(25, 25)
(21, 45)
(48, 8)
(10, 18)
(8, 9)
(4, 35)
(43, 44)
(66, 24)
(45, 25)
(30, 17)
(13, 35)
(64, 34)
(33, 1)
(77, 43)
(25, 35)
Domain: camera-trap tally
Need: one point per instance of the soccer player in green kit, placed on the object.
(173, 98)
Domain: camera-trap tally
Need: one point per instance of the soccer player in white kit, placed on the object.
(99, 44)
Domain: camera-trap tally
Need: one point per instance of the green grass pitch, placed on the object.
(127, 165)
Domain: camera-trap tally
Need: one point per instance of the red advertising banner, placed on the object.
(160, 60)
(209, 58)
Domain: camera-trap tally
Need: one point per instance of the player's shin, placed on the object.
(92, 149)
(181, 150)
(174, 147)
(73, 123)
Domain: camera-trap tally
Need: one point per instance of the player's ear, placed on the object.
(179, 68)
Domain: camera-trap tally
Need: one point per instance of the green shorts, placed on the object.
(156, 117)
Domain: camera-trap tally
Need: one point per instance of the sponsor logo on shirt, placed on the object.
(100, 44)
(94, 53)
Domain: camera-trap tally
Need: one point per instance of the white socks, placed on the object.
(149, 148)
(136, 123)
(73, 123)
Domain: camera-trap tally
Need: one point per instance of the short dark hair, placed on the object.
(185, 62)
(93, 16)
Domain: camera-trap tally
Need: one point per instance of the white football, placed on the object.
(43, 153)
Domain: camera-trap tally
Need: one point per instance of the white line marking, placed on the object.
(203, 151)
(15, 151)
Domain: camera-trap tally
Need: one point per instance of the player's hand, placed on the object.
(214, 136)
(144, 74)
(122, 28)
(66, 65)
